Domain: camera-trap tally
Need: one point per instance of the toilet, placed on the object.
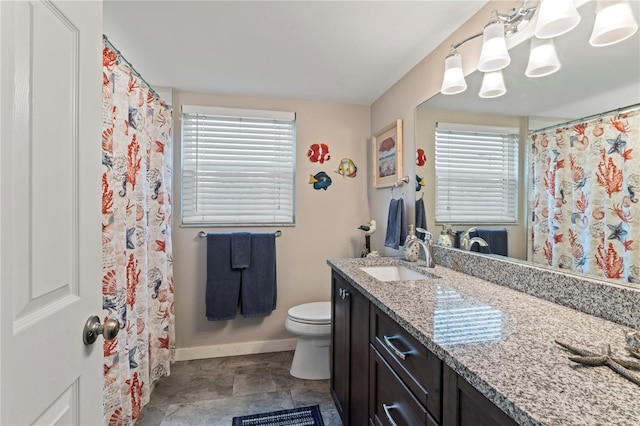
(311, 322)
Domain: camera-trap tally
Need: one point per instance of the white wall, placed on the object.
(326, 227)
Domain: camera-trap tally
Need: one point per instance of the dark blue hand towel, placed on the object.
(396, 224)
(223, 282)
(240, 250)
(498, 240)
(259, 289)
(421, 218)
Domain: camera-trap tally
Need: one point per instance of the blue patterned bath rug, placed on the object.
(305, 416)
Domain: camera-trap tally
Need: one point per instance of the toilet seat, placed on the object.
(311, 313)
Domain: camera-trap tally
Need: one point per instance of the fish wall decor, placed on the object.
(320, 180)
(318, 153)
(347, 168)
(419, 183)
(421, 157)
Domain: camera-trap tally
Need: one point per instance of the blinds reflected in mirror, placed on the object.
(456, 321)
(476, 174)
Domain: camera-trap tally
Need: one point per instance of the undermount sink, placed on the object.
(395, 273)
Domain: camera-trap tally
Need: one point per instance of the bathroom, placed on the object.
(326, 221)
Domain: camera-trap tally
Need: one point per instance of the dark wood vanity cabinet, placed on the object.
(382, 375)
(349, 352)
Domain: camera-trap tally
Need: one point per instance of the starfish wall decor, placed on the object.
(621, 366)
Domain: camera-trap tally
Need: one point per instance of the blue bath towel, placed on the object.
(421, 217)
(240, 250)
(496, 238)
(259, 289)
(223, 282)
(396, 224)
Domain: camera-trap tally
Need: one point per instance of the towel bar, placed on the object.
(203, 234)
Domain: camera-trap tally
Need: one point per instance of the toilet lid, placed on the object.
(311, 313)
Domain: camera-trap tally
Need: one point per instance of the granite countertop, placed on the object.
(502, 342)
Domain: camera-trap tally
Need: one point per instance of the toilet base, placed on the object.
(311, 359)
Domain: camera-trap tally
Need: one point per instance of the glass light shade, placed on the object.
(494, 55)
(453, 81)
(556, 17)
(492, 85)
(614, 23)
(543, 58)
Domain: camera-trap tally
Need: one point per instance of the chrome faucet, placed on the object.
(427, 247)
(466, 243)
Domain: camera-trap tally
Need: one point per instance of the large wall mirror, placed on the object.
(592, 81)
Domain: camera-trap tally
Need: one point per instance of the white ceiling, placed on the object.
(338, 51)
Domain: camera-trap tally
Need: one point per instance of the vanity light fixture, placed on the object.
(543, 58)
(556, 17)
(494, 55)
(614, 23)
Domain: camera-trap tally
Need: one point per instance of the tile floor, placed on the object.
(213, 391)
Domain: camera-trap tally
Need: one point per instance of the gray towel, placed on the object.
(259, 288)
(421, 217)
(223, 282)
(240, 250)
(396, 224)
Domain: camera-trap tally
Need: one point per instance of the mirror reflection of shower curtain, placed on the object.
(137, 277)
(584, 196)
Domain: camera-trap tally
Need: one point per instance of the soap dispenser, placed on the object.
(446, 237)
(411, 250)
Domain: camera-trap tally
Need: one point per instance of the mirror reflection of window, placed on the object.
(476, 174)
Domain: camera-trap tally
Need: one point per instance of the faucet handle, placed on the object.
(428, 236)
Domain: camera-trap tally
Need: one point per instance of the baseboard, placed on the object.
(232, 349)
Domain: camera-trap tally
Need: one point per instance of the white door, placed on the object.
(50, 256)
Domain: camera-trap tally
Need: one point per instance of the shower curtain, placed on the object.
(137, 282)
(585, 214)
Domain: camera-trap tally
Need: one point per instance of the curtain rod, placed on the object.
(627, 109)
(203, 234)
(130, 65)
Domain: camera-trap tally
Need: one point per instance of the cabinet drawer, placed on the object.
(420, 369)
(391, 403)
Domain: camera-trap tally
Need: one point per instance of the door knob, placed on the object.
(93, 328)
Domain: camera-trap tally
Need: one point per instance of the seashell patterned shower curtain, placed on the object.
(585, 210)
(137, 282)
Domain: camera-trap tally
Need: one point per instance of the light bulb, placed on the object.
(453, 81)
(614, 23)
(556, 17)
(543, 59)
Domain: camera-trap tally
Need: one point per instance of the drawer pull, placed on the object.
(386, 409)
(398, 352)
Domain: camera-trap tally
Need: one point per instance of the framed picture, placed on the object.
(387, 155)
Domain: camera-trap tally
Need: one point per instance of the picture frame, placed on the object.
(387, 155)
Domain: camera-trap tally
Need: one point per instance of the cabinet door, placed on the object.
(340, 331)
(463, 405)
(349, 352)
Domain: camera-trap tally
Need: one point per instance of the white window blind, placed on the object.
(476, 174)
(238, 167)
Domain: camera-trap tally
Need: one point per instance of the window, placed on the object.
(238, 167)
(476, 174)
